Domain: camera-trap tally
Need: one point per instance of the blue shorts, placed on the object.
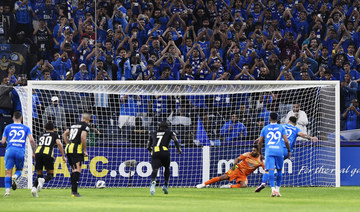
(274, 162)
(14, 156)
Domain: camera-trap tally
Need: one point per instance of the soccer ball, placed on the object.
(100, 184)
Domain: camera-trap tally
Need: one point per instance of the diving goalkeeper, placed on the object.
(245, 164)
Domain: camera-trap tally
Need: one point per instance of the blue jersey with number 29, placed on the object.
(273, 134)
(16, 135)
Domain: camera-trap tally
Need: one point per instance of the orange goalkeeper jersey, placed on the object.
(249, 163)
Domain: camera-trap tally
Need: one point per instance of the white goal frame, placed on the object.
(264, 85)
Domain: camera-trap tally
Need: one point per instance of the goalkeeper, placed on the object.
(250, 161)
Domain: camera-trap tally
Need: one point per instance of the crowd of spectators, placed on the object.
(188, 40)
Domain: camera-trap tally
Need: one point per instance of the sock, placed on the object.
(18, 173)
(49, 177)
(277, 188)
(74, 181)
(154, 174)
(166, 175)
(36, 182)
(236, 186)
(7, 182)
(279, 178)
(272, 178)
(265, 178)
(213, 180)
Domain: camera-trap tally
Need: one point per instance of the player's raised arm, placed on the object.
(65, 136)
(301, 134)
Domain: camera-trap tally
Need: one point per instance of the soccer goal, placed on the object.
(126, 112)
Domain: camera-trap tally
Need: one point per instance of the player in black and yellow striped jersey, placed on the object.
(159, 148)
(44, 157)
(75, 139)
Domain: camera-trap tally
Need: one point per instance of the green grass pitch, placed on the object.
(185, 199)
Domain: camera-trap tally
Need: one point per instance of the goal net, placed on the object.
(201, 114)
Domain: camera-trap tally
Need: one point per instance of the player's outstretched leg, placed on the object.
(211, 181)
(152, 188)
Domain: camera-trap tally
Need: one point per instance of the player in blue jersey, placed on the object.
(15, 136)
(292, 133)
(274, 136)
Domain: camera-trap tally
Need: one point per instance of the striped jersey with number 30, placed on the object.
(46, 143)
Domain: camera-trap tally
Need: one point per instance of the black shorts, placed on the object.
(159, 159)
(75, 158)
(42, 160)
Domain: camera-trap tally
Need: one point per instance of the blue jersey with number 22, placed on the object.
(16, 135)
(273, 134)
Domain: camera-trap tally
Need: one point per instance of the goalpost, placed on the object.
(125, 112)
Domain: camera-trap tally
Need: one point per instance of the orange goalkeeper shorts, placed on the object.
(237, 175)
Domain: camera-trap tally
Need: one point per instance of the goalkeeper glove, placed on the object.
(234, 167)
